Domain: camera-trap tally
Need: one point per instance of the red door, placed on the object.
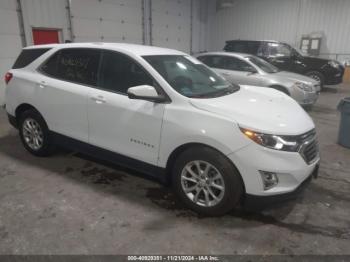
(42, 36)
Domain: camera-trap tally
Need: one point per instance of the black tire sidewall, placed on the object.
(232, 180)
(46, 149)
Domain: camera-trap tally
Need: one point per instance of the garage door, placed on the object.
(10, 40)
(107, 20)
(44, 36)
(171, 20)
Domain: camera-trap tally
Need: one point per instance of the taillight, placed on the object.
(8, 77)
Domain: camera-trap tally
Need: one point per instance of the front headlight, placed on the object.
(334, 63)
(304, 86)
(282, 143)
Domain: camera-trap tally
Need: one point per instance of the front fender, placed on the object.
(198, 127)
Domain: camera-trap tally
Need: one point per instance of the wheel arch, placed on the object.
(22, 108)
(25, 107)
(182, 148)
(281, 88)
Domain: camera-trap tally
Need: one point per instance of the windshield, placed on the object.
(189, 77)
(263, 65)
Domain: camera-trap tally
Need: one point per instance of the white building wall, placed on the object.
(332, 20)
(10, 40)
(180, 24)
(50, 14)
(284, 20)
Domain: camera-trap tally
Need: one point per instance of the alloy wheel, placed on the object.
(32, 134)
(315, 77)
(202, 183)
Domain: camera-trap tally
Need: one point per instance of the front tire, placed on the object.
(34, 133)
(206, 181)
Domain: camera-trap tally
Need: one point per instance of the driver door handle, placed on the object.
(98, 99)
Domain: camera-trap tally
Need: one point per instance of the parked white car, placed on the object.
(247, 69)
(166, 114)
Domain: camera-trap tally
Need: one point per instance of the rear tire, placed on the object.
(34, 133)
(206, 181)
(316, 76)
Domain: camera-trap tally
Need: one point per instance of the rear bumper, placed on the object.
(254, 202)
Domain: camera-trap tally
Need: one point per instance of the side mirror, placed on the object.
(251, 71)
(145, 92)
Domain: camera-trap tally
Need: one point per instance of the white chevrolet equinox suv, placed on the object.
(164, 113)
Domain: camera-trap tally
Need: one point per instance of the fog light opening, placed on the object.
(269, 179)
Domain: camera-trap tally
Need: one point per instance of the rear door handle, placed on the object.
(99, 99)
(42, 84)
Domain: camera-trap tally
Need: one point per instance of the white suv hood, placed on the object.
(260, 109)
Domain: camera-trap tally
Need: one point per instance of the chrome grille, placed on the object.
(309, 147)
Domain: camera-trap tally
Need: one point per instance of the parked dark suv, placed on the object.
(285, 57)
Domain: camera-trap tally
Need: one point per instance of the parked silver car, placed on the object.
(251, 70)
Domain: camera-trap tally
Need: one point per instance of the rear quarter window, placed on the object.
(27, 56)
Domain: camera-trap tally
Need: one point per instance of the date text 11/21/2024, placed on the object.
(173, 258)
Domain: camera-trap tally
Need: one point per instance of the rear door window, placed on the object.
(75, 65)
(253, 47)
(213, 61)
(28, 56)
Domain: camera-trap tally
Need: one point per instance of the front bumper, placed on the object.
(334, 76)
(309, 98)
(253, 202)
(305, 98)
(334, 80)
(290, 167)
